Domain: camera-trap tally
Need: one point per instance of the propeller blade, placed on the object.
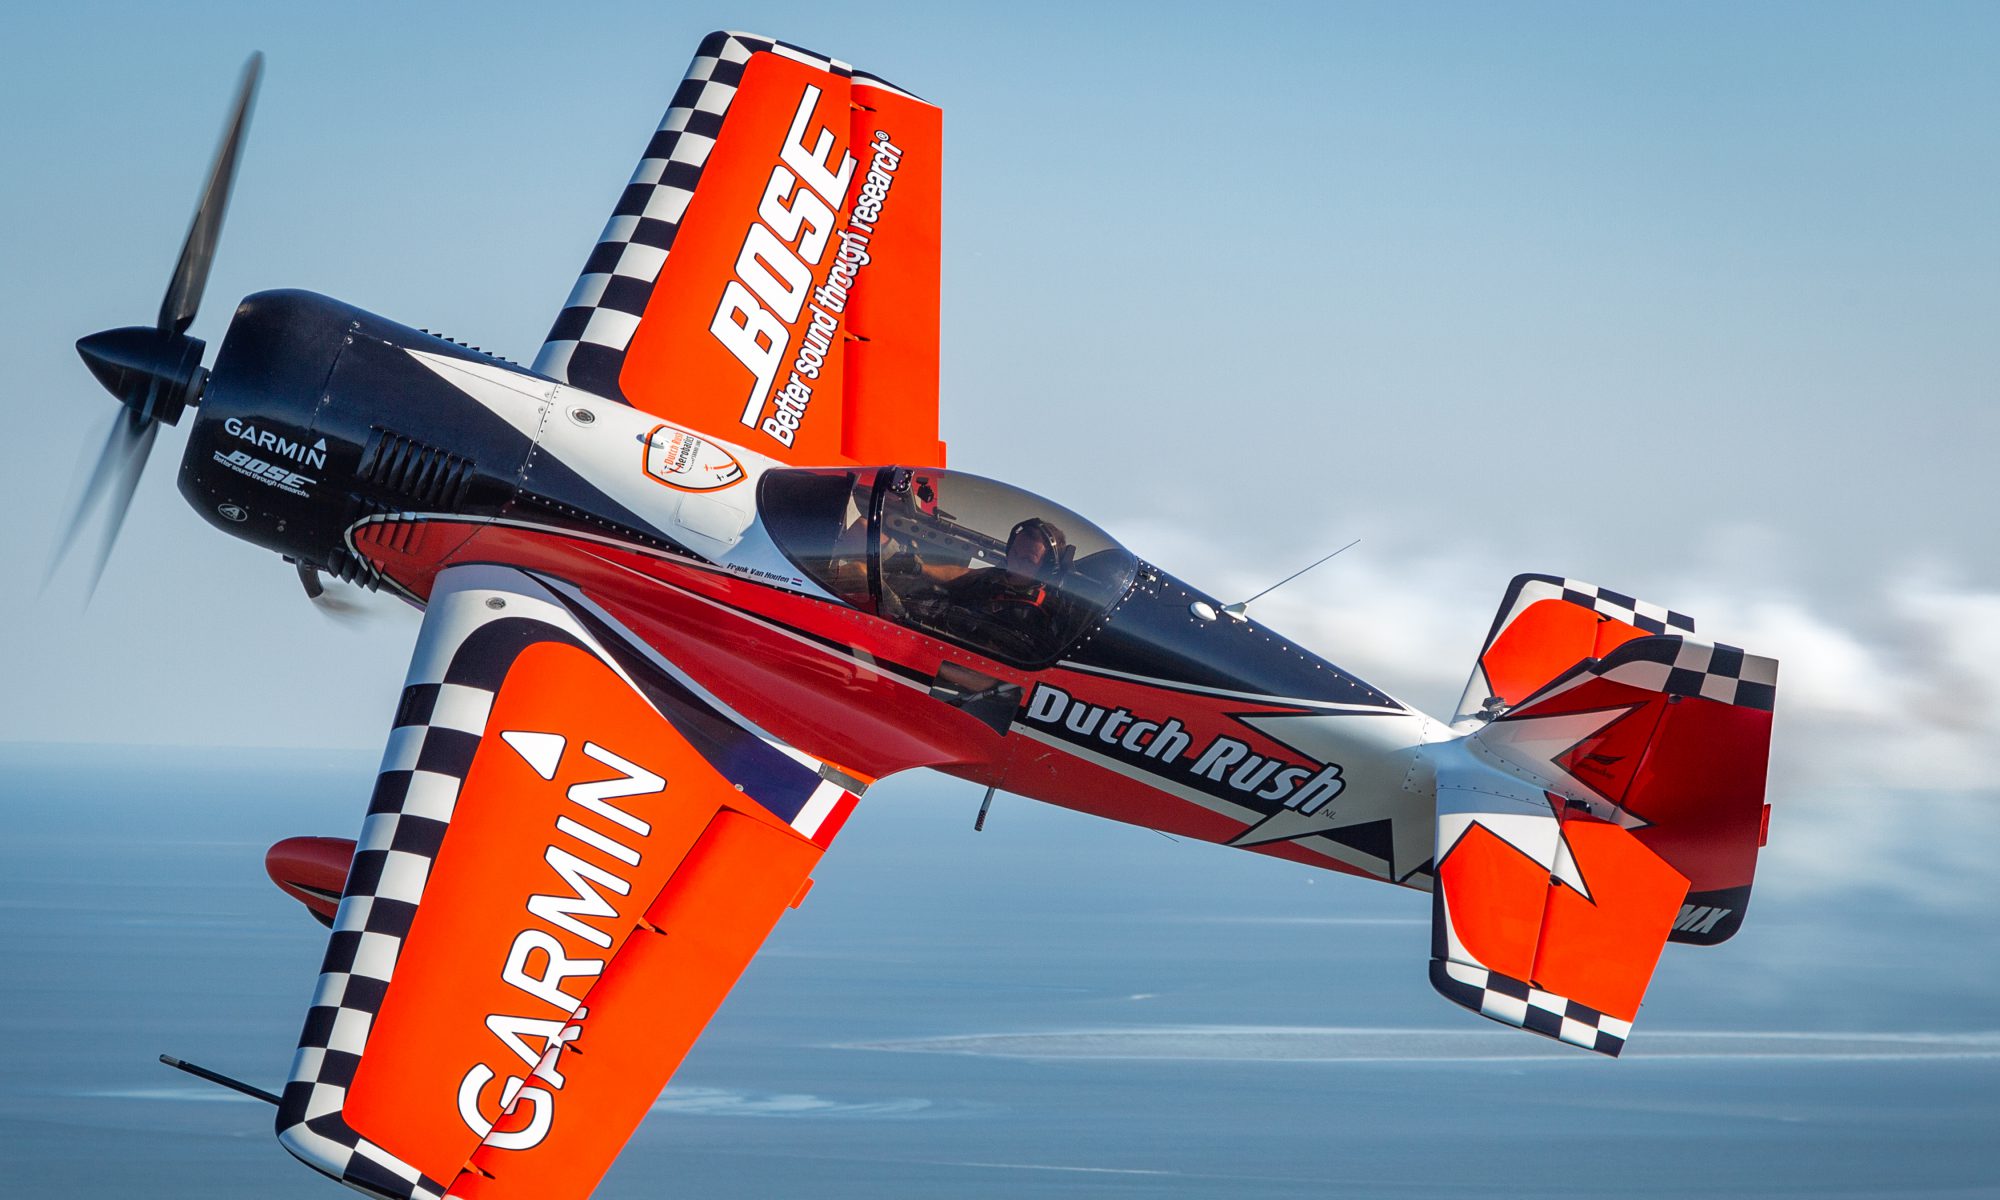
(123, 482)
(100, 471)
(191, 272)
(155, 373)
(118, 441)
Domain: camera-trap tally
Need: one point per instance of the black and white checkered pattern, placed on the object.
(1648, 617)
(1684, 667)
(479, 620)
(1643, 615)
(436, 734)
(1509, 1001)
(463, 654)
(586, 346)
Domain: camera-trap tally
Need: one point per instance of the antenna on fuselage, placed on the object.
(1240, 608)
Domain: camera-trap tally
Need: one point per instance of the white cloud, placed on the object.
(1900, 697)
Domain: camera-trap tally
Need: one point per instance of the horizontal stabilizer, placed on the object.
(1547, 624)
(1544, 917)
(1511, 1002)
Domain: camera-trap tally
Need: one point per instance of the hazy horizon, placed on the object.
(1693, 301)
(935, 1019)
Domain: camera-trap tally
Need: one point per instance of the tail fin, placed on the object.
(1610, 805)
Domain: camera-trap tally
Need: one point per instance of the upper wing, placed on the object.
(770, 275)
(568, 860)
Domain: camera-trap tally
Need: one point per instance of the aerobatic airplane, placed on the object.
(699, 576)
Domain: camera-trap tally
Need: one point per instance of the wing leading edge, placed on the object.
(564, 868)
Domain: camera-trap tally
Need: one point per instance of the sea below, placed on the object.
(1057, 1006)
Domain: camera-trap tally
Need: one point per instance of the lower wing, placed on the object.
(569, 858)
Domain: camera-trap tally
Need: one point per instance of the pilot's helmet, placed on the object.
(1035, 549)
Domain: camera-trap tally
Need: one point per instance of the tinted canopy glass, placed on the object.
(994, 568)
(819, 518)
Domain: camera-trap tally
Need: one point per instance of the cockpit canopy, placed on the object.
(991, 567)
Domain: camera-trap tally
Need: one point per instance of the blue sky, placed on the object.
(1692, 300)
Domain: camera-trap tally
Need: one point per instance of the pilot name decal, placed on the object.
(1225, 766)
(748, 572)
(681, 460)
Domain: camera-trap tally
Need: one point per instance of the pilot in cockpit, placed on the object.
(1014, 601)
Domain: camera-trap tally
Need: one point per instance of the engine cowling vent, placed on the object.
(421, 473)
(350, 568)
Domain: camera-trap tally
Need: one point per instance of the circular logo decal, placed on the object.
(681, 460)
(232, 512)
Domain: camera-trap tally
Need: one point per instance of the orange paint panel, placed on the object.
(1495, 895)
(810, 246)
(890, 411)
(1546, 639)
(1601, 951)
(652, 1002)
(470, 1185)
(503, 943)
(1613, 634)
(729, 265)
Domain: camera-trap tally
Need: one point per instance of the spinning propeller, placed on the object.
(155, 371)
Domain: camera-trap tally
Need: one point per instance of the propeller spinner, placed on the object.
(155, 371)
